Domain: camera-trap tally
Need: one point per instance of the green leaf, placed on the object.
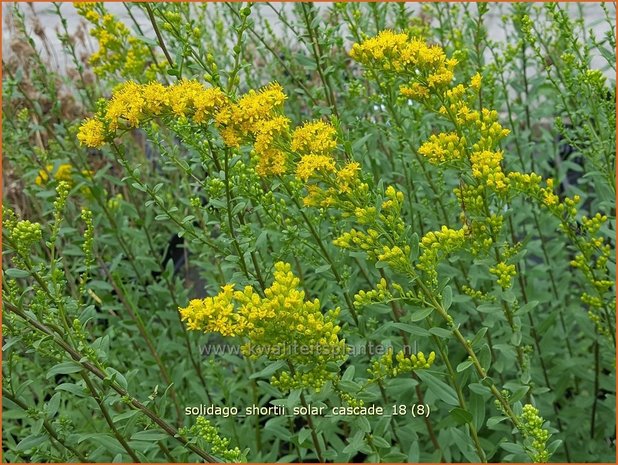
(139, 186)
(379, 441)
(441, 332)
(420, 314)
(53, 404)
(442, 391)
(275, 426)
(355, 444)
(303, 435)
(270, 370)
(493, 421)
(414, 453)
(118, 377)
(519, 393)
(348, 375)
(512, 448)
(149, 435)
(16, 273)
(477, 408)
(31, 441)
(460, 415)
(412, 329)
(64, 368)
(447, 297)
(464, 365)
(480, 389)
(322, 269)
(479, 336)
(527, 307)
(73, 388)
(394, 457)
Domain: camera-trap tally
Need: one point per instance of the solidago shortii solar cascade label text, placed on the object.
(252, 247)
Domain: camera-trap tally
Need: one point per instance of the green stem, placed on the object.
(99, 373)
(108, 419)
(48, 427)
(324, 251)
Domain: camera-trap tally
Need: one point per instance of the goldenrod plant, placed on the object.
(358, 232)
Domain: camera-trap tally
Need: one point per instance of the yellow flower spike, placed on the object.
(314, 137)
(253, 109)
(91, 133)
(282, 318)
(311, 164)
(43, 176)
(475, 82)
(127, 103)
(414, 91)
(442, 148)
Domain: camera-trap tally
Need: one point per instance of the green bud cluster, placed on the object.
(388, 367)
(477, 294)
(592, 262)
(87, 247)
(219, 446)
(24, 235)
(531, 425)
(62, 190)
(505, 272)
(437, 244)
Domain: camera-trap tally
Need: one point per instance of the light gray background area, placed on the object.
(43, 13)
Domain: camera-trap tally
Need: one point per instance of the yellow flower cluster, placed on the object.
(385, 366)
(63, 173)
(281, 325)
(132, 103)
(220, 446)
(271, 159)
(397, 257)
(530, 184)
(314, 141)
(390, 213)
(311, 163)
(119, 52)
(381, 294)
(483, 230)
(255, 114)
(366, 241)
(256, 117)
(505, 272)
(487, 168)
(476, 294)
(399, 53)
(91, 133)
(346, 180)
(443, 147)
(436, 244)
(414, 91)
(382, 241)
(216, 314)
(347, 177)
(251, 113)
(314, 137)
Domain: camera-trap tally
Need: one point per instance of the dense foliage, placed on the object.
(359, 232)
